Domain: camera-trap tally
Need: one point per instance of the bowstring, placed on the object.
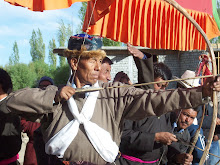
(84, 39)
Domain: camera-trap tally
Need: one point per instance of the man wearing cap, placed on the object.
(29, 128)
(86, 127)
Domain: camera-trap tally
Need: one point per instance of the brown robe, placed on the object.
(112, 107)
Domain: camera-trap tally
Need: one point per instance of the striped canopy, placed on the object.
(148, 23)
(154, 23)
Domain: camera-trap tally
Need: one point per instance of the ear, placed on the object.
(73, 63)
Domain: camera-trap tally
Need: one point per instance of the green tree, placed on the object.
(21, 75)
(14, 58)
(61, 75)
(81, 14)
(52, 56)
(37, 46)
(63, 34)
(40, 69)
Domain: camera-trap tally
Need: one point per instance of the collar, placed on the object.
(85, 86)
(175, 126)
(3, 98)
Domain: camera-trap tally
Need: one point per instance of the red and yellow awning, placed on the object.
(152, 23)
(148, 23)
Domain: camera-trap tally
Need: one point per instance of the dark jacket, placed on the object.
(138, 136)
(10, 133)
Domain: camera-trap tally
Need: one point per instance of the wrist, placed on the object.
(57, 97)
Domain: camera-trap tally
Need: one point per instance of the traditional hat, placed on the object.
(190, 83)
(82, 45)
(45, 78)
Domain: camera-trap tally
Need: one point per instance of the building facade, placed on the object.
(178, 61)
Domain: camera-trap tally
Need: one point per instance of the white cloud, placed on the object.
(6, 30)
(2, 46)
(23, 42)
(17, 24)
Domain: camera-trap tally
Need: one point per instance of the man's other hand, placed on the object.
(165, 138)
(184, 159)
(64, 93)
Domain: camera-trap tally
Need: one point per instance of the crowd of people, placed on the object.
(108, 124)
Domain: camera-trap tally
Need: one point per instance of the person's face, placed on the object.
(159, 86)
(186, 118)
(87, 71)
(105, 72)
(44, 84)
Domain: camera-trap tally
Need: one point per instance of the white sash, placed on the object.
(100, 138)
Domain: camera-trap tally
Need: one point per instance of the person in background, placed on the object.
(30, 127)
(74, 119)
(105, 71)
(122, 77)
(142, 141)
(10, 130)
(177, 151)
(197, 154)
(214, 149)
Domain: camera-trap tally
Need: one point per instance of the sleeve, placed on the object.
(29, 127)
(136, 140)
(32, 103)
(197, 154)
(145, 71)
(208, 116)
(137, 104)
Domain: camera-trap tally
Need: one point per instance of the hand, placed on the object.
(165, 137)
(184, 158)
(210, 85)
(122, 77)
(215, 138)
(64, 93)
(217, 121)
(135, 52)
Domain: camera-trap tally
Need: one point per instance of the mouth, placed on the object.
(95, 76)
(184, 124)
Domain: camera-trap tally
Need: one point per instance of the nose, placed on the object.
(187, 119)
(109, 77)
(98, 66)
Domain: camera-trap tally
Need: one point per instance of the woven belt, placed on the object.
(86, 163)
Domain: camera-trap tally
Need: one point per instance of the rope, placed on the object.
(85, 38)
(135, 85)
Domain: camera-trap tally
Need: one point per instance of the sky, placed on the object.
(17, 24)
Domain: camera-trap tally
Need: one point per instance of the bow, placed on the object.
(214, 72)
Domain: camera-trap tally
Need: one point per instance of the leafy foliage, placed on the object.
(64, 32)
(21, 75)
(14, 58)
(61, 74)
(52, 56)
(37, 46)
